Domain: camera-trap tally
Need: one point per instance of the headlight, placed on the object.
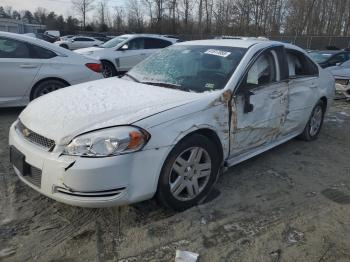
(108, 142)
(344, 82)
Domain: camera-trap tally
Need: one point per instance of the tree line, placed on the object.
(199, 18)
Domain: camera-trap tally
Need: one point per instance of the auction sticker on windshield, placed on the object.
(217, 52)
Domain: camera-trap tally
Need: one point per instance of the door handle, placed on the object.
(313, 85)
(275, 94)
(28, 66)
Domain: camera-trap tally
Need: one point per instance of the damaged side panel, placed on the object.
(264, 124)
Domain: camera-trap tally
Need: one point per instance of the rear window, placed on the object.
(300, 65)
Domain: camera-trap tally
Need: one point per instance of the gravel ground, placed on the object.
(289, 204)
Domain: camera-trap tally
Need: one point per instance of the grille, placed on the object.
(35, 138)
(34, 176)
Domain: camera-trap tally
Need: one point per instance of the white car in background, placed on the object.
(78, 42)
(121, 53)
(341, 74)
(30, 67)
(171, 124)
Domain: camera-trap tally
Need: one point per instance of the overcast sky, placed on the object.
(63, 7)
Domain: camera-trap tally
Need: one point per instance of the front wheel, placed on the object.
(189, 173)
(314, 125)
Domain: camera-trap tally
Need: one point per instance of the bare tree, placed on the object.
(83, 7)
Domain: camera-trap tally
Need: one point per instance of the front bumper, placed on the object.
(91, 182)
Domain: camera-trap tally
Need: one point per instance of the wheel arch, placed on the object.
(43, 80)
(211, 135)
(325, 102)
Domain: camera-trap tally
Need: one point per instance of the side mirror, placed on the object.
(246, 94)
(72, 40)
(125, 47)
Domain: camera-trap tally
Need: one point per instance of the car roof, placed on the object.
(240, 43)
(38, 42)
(129, 36)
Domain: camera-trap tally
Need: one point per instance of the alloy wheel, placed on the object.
(190, 173)
(316, 120)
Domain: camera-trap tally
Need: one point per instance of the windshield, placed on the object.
(114, 42)
(320, 57)
(189, 68)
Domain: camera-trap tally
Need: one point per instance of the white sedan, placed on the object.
(77, 42)
(121, 53)
(171, 124)
(31, 67)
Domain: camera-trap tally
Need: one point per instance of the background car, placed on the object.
(121, 53)
(341, 74)
(31, 67)
(45, 37)
(330, 57)
(77, 42)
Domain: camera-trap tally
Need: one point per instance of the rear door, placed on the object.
(152, 45)
(303, 94)
(18, 68)
(260, 102)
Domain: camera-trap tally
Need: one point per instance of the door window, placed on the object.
(136, 44)
(10, 48)
(83, 39)
(38, 52)
(262, 72)
(153, 43)
(299, 65)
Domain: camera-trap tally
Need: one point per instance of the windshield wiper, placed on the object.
(166, 85)
(132, 77)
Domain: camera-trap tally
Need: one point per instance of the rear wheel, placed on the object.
(189, 173)
(46, 87)
(108, 69)
(314, 125)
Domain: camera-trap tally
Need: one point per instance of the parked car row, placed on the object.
(168, 126)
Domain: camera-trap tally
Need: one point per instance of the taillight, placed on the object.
(94, 67)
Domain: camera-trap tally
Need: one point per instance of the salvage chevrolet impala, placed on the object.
(168, 127)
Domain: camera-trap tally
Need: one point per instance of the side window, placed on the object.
(40, 52)
(10, 48)
(263, 71)
(83, 39)
(299, 65)
(153, 43)
(136, 44)
(339, 58)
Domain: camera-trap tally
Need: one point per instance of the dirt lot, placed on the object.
(289, 204)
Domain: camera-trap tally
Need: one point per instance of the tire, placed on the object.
(64, 46)
(314, 125)
(46, 87)
(108, 69)
(180, 171)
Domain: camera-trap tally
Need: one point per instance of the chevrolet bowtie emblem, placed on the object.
(26, 132)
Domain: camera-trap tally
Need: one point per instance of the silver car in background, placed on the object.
(31, 68)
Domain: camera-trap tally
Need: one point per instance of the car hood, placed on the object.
(88, 50)
(340, 72)
(66, 113)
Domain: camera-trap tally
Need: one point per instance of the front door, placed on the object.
(135, 53)
(261, 103)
